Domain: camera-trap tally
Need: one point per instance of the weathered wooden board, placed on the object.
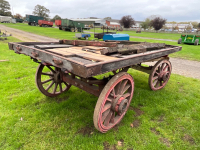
(81, 53)
(94, 48)
(62, 53)
(52, 46)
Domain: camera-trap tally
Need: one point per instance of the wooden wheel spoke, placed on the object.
(54, 90)
(65, 84)
(47, 81)
(104, 115)
(47, 74)
(113, 93)
(162, 66)
(155, 78)
(166, 67)
(159, 69)
(157, 84)
(126, 88)
(123, 86)
(50, 86)
(126, 95)
(60, 85)
(106, 107)
(112, 120)
(110, 99)
(51, 69)
(117, 88)
(108, 118)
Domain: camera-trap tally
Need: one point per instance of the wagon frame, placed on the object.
(115, 92)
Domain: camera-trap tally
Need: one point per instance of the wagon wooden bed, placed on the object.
(75, 62)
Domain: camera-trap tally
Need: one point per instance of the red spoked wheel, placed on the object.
(49, 80)
(160, 74)
(113, 102)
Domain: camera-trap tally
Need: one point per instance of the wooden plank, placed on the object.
(62, 53)
(94, 48)
(52, 46)
(89, 55)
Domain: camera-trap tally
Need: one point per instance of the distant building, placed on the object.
(88, 21)
(137, 24)
(181, 27)
(112, 24)
(112, 20)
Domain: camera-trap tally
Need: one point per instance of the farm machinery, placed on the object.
(69, 25)
(33, 20)
(4, 35)
(189, 39)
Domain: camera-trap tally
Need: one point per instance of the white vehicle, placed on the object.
(13, 20)
(5, 19)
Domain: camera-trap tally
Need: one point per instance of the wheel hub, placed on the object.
(162, 76)
(120, 105)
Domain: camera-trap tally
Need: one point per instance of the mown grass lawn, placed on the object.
(170, 36)
(165, 119)
(190, 52)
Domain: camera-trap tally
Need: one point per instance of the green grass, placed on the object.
(190, 52)
(29, 120)
(44, 31)
(170, 36)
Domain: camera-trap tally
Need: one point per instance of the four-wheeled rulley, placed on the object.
(76, 62)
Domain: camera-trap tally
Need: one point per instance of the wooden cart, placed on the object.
(67, 62)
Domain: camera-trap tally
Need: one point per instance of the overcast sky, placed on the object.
(172, 10)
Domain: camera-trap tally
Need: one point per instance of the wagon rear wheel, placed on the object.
(113, 102)
(49, 80)
(180, 41)
(196, 42)
(160, 74)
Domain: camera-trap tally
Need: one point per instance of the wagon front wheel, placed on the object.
(113, 102)
(160, 74)
(49, 80)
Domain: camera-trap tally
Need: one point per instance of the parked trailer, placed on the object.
(100, 35)
(58, 23)
(33, 20)
(77, 62)
(82, 35)
(116, 37)
(70, 25)
(14, 21)
(189, 39)
(19, 20)
(5, 19)
(44, 23)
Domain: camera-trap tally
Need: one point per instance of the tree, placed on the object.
(176, 28)
(195, 24)
(145, 24)
(188, 28)
(18, 16)
(41, 11)
(56, 17)
(127, 21)
(158, 23)
(199, 25)
(5, 8)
